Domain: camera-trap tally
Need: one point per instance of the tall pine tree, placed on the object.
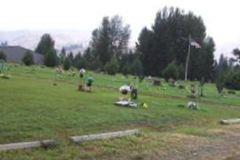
(167, 41)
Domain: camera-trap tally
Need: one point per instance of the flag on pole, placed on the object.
(195, 44)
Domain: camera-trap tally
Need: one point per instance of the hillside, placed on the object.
(32, 108)
(74, 41)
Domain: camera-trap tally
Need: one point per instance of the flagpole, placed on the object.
(188, 57)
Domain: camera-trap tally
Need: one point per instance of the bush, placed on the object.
(28, 59)
(112, 67)
(233, 80)
(3, 56)
(171, 71)
(66, 64)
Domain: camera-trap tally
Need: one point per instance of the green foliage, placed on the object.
(45, 45)
(220, 83)
(126, 69)
(144, 47)
(62, 55)
(232, 80)
(3, 56)
(79, 61)
(125, 63)
(110, 39)
(171, 71)
(66, 64)
(46, 48)
(51, 59)
(112, 67)
(181, 71)
(228, 74)
(92, 61)
(71, 58)
(167, 41)
(202, 60)
(137, 68)
(222, 69)
(28, 59)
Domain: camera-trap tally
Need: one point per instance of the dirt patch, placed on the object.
(221, 144)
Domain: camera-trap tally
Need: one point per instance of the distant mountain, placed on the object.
(73, 41)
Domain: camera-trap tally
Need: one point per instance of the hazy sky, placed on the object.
(222, 17)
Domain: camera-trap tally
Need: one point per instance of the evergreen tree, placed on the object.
(66, 63)
(144, 47)
(112, 67)
(79, 61)
(46, 48)
(71, 58)
(167, 41)
(171, 71)
(45, 45)
(110, 39)
(51, 59)
(92, 61)
(232, 80)
(28, 59)
(137, 68)
(221, 71)
(62, 55)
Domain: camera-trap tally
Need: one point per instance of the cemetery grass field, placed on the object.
(32, 108)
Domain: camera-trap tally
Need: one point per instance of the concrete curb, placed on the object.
(230, 121)
(28, 145)
(102, 136)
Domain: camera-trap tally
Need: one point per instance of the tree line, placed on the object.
(227, 72)
(160, 50)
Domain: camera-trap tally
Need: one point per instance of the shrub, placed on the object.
(112, 66)
(3, 56)
(28, 59)
(233, 80)
(171, 71)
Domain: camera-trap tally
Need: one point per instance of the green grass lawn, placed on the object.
(31, 108)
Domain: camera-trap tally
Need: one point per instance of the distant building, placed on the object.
(15, 54)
